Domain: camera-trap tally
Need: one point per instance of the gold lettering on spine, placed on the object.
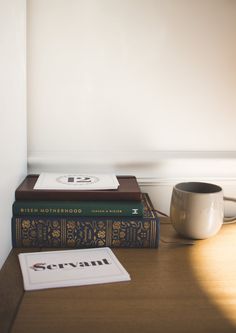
(152, 233)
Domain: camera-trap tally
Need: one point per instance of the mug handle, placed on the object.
(228, 220)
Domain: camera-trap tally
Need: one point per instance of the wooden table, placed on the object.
(172, 289)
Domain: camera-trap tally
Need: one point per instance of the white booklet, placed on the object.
(54, 269)
(63, 181)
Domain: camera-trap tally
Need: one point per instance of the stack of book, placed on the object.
(75, 218)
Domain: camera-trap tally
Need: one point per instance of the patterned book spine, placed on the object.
(78, 208)
(81, 232)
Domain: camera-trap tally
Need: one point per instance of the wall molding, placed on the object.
(149, 167)
(157, 172)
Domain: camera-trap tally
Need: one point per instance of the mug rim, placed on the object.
(198, 187)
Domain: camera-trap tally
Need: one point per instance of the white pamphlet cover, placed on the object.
(63, 181)
(55, 269)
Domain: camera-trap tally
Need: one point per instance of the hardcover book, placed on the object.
(128, 190)
(42, 270)
(82, 232)
(78, 208)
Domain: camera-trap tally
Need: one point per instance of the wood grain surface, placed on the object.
(176, 288)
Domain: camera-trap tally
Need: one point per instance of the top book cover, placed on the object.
(128, 190)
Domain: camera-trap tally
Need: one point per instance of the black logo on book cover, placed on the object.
(77, 179)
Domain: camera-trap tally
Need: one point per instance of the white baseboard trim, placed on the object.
(147, 165)
(157, 172)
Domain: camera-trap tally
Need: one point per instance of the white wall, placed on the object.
(13, 111)
(132, 75)
(146, 87)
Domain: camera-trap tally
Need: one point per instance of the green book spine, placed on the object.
(82, 232)
(77, 208)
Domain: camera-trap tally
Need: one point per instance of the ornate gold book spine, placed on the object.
(60, 232)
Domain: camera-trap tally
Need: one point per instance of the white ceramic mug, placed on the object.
(197, 209)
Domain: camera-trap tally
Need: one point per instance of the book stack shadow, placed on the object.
(84, 218)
